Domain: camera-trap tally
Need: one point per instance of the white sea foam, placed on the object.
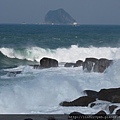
(63, 54)
(41, 91)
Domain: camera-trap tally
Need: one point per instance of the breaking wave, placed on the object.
(62, 54)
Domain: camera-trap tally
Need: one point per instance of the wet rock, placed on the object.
(96, 65)
(92, 105)
(116, 99)
(118, 112)
(51, 118)
(69, 64)
(28, 119)
(89, 63)
(78, 63)
(82, 101)
(48, 62)
(91, 93)
(36, 66)
(112, 108)
(102, 64)
(103, 113)
(111, 95)
(76, 116)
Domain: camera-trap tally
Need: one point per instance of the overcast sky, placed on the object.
(83, 11)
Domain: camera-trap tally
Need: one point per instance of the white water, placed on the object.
(71, 54)
(41, 91)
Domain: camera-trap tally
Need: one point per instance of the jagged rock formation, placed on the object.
(59, 16)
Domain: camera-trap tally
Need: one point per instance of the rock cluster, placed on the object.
(89, 65)
(92, 64)
(101, 115)
(111, 95)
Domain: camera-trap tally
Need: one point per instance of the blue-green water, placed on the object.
(41, 90)
(50, 36)
(32, 42)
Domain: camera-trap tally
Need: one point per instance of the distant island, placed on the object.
(59, 17)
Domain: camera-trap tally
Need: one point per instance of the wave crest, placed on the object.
(62, 54)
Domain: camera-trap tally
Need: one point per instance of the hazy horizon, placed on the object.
(84, 12)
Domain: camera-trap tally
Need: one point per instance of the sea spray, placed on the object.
(42, 90)
(37, 90)
(71, 54)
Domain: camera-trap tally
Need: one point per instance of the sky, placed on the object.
(83, 11)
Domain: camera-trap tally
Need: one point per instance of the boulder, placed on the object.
(69, 64)
(92, 104)
(51, 118)
(36, 66)
(48, 62)
(91, 93)
(28, 119)
(78, 63)
(76, 116)
(82, 101)
(112, 108)
(111, 95)
(101, 65)
(96, 65)
(103, 113)
(89, 63)
(118, 112)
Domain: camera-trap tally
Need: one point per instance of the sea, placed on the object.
(40, 91)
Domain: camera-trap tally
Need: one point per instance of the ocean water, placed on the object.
(39, 91)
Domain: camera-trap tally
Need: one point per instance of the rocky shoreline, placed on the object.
(111, 95)
(89, 65)
(90, 98)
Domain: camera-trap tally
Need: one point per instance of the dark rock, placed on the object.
(89, 63)
(102, 64)
(112, 108)
(78, 63)
(116, 99)
(111, 95)
(118, 112)
(69, 64)
(95, 65)
(36, 66)
(51, 118)
(101, 113)
(82, 101)
(92, 105)
(58, 16)
(91, 93)
(48, 62)
(76, 116)
(28, 119)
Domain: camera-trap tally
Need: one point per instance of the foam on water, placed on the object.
(41, 91)
(62, 54)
